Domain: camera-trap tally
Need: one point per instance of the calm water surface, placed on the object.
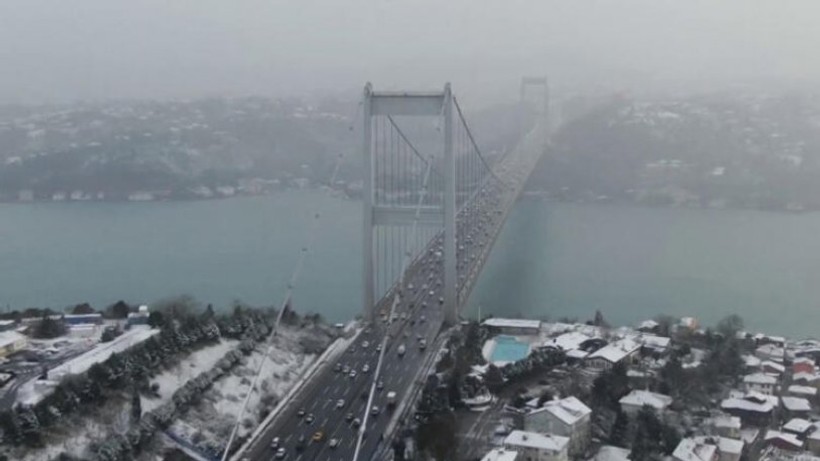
(552, 260)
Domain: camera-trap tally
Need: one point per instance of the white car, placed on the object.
(365, 368)
(340, 403)
(365, 345)
(352, 373)
(280, 453)
(334, 443)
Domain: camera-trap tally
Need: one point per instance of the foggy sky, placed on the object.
(100, 49)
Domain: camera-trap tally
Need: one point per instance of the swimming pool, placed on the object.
(509, 349)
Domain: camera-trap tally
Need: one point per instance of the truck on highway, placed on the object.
(401, 350)
(391, 399)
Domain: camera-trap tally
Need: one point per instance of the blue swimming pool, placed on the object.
(509, 349)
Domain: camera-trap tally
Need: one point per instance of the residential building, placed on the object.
(500, 454)
(690, 449)
(532, 446)
(770, 352)
(637, 399)
(752, 408)
(799, 427)
(806, 392)
(655, 345)
(760, 382)
(783, 440)
(804, 365)
(568, 417)
(727, 426)
(11, 342)
(624, 350)
(610, 453)
(7, 325)
(812, 442)
(521, 327)
(796, 407)
(772, 368)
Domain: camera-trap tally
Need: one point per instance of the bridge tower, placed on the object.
(528, 82)
(380, 211)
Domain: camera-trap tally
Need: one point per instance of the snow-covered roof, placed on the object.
(568, 341)
(773, 365)
(617, 351)
(512, 323)
(796, 403)
(648, 325)
(728, 445)
(611, 453)
(760, 378)
(802, 390)
(791, 439)
(577, 354)
(751, 361)
(570, 410)
(690, 449)
(747, 404)
(4, 323)
(803, 376)
(731, 422)
(805, 360)
(500, 454)
(655, 342)
(7, 338)
(798, 425)
(640, 398)
(544, 442)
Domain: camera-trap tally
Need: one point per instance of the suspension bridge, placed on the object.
(433, 206)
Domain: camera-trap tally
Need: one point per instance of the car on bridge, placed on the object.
(280, 453)
(318, 436)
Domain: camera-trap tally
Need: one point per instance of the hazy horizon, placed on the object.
(97, 49)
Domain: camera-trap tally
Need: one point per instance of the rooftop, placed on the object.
(500, 454)
(802, 390)
(640, 398)
(569, 410)
(512, 323)
(610, 453)
(760, 378)
(796, 403)
(692, 450)
(617, 351)
(8, 338)
(798, 425)
(731, 422)
(537, 441)
(791, 439)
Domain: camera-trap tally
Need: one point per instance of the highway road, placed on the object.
(333, 401)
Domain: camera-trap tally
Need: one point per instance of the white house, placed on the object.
(796, 406)
(633, 402)
(567, 417)
(514, 326)
(500, 454)
(807, 392)
(690, 449)
(611, 453)
(537, 447)
(11, 342)
(727, 426)
(760, 382)
(616, 352)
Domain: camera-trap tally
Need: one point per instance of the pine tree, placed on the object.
(136, 407)
(618, 435)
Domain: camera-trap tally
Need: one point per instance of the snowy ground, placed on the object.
(213, 418)
(35, 390)
(191, 366)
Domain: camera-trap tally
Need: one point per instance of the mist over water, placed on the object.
(552, 260)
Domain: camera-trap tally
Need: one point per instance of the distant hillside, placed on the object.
(122, 148)
(192, 148)
(754, 152)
